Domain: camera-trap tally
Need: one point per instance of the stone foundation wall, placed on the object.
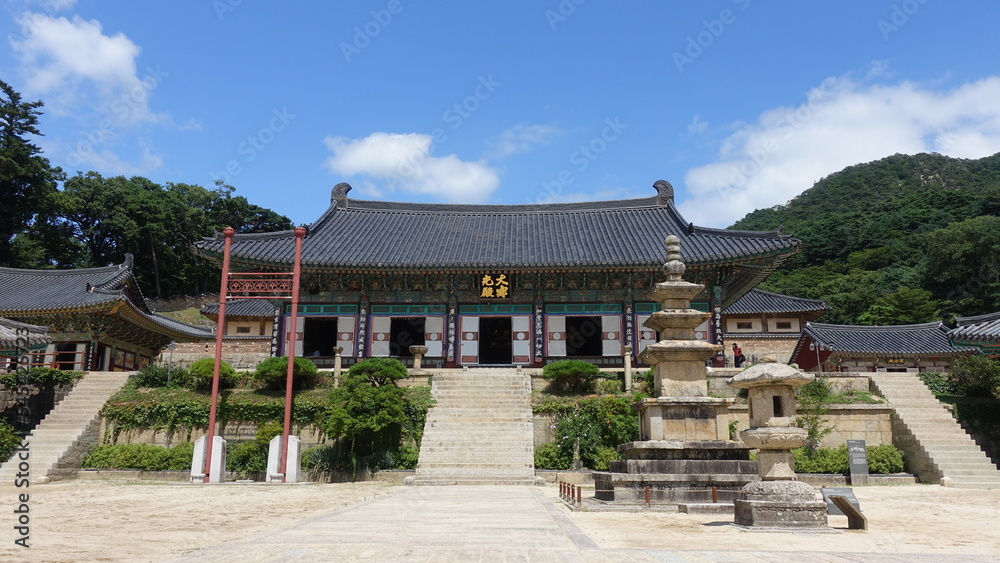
(755, 348)
(871, 423)
(242, 354)
(233, 432)
(718, 385)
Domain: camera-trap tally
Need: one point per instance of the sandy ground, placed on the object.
(84, 520)
(902, 519)
(140, 521)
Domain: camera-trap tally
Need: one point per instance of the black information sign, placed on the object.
(858, 459)
(845, 492)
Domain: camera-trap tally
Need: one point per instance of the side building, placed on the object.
(921, 347)
(981, 332)
(768, 324)
(497, 284)
(96, 317)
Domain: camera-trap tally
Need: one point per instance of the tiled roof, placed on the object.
(981, 328)
(757, 301)
(28, 293)
(61, 290)
(917, 339)
(14, 334)
(242, 308)
(369, 235)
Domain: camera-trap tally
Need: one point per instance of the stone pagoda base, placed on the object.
(677, 472)
(780, 504)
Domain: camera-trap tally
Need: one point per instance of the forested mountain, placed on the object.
(900, 240)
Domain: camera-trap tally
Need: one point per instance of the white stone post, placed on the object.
(292, 465)
(627, 359)
(217, 468)
(337, 364)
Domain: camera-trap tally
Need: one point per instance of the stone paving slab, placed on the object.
(478, 523)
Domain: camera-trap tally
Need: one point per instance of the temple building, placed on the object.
(18, 340)
(96, 318)
(496, 284)
(768, 324)
(981, 332)
(923, 347)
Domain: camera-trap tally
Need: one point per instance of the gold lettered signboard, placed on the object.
(494, 286)
(895, 361)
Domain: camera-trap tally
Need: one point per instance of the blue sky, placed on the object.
(740, 104)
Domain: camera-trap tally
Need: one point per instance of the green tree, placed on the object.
(901, 307)
(28, 182)
(962, 264)
(110, 217)
(976, 376)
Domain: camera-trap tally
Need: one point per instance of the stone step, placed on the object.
(932, 434)
(56, 442)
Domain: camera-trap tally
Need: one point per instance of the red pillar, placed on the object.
(229, 232)
(300, 232)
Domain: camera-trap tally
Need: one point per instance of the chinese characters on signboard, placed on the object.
(494, 286)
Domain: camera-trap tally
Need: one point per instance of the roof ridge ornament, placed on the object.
(665, 193)
(339, 194)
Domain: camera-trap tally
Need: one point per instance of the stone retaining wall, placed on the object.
(871, 423)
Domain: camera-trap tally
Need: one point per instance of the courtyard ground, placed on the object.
(87, 520)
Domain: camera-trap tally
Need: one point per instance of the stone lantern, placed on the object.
(778, 500)
(418, 352)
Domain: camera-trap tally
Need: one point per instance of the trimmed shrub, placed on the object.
(570, 376)
(251, 456)
(884, 459)
(272, 372)
(378, 371)
(821, 460)
(203, 370)
(159, 375)
(145, 457)
(604, 457)
(549, 456)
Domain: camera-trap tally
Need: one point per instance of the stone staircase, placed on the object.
(480, 432)
(59, 442)
(937, 448)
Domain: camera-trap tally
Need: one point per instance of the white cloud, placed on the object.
(81, 71)
(404, 162)
(520, 138)
(843, 122)
(91, 78)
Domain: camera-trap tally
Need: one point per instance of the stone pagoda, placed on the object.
(684, 450)
(777, 500)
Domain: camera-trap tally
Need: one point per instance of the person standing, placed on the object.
(738, 357)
